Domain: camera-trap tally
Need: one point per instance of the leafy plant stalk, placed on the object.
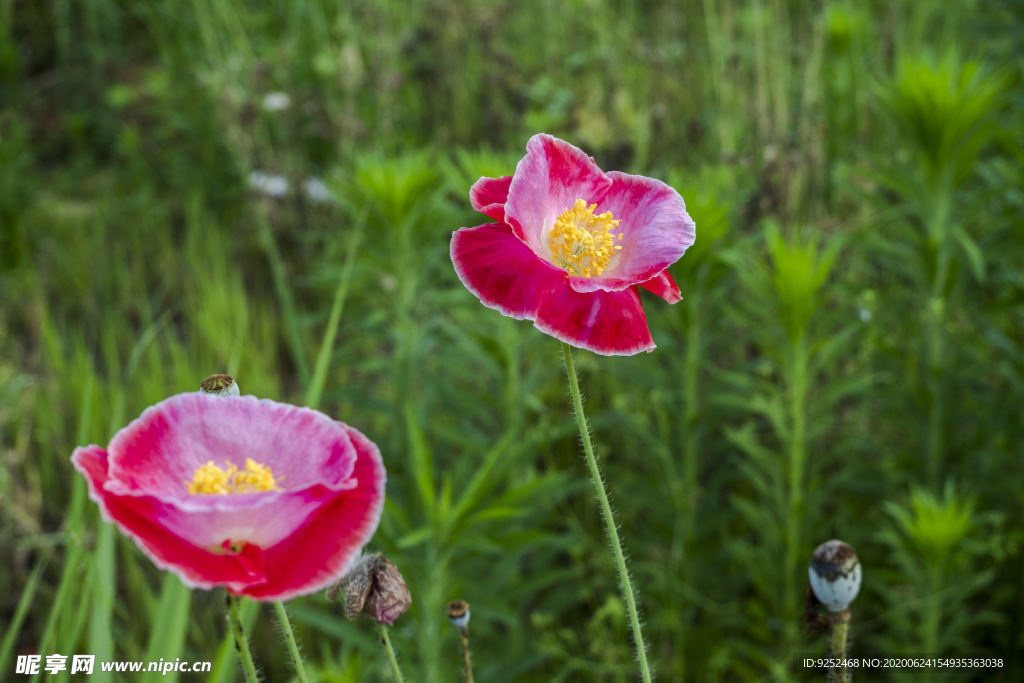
(797, 458)
(606, 509)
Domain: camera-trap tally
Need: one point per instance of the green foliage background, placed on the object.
(847, 361)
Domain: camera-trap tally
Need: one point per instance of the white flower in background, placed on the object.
(272, 185)
(276, 101)
(316, 191)
(865, 315)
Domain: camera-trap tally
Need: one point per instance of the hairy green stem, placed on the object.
(839, 649)
(289, 637)
(241, 642)
(392, 660)
(606, 509)
(466, 663)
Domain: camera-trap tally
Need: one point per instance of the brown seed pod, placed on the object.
(373, 586)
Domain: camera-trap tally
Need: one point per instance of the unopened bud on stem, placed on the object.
(458, 613)
(835, 575)
(219, 385)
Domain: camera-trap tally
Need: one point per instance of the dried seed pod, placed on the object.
(373, 586)
(835, 575)
(219, 385)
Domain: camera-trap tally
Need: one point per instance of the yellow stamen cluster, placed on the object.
(581, 242)
(212, 480)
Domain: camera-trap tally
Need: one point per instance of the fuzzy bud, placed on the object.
(458, 613)
(220, 385)
(835, 575)
(373, 586)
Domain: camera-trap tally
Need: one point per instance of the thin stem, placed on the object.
(241, 642)
(606, 508)
(289, 637)
(464, 633)
(392, 660)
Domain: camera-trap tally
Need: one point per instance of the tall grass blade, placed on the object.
(323, 360)
(170, 625)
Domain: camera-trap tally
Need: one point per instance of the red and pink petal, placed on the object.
(488, 196)
(138, 517)
(664, 286)
(656, 231)
(502, 271)
(547, 181)
(608, 323)
(316, 554)
(161, 449)
(505, 274)
(271, 545)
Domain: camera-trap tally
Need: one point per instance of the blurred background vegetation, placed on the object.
(220, 185)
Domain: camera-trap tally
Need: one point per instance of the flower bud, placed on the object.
(373, 586)
(835, 575)
(458, 613)
(219, 385)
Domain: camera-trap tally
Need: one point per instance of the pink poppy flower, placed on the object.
(266, 499)
(571, 246)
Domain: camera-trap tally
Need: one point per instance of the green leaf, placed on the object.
(101, 637)
(974, 256)
(416, 537)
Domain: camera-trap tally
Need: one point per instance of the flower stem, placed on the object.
(464, 634)
(286, 628)
(839, 648)
(606, 508)
(241, 642)
(392, 660)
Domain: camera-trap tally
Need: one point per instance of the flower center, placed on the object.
(212, 480)
(581, 242)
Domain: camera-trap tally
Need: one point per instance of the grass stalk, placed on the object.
(101, 639)
(392, 660)
(289, 310)
(606, 509)
(20, 612)
(323, 359)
